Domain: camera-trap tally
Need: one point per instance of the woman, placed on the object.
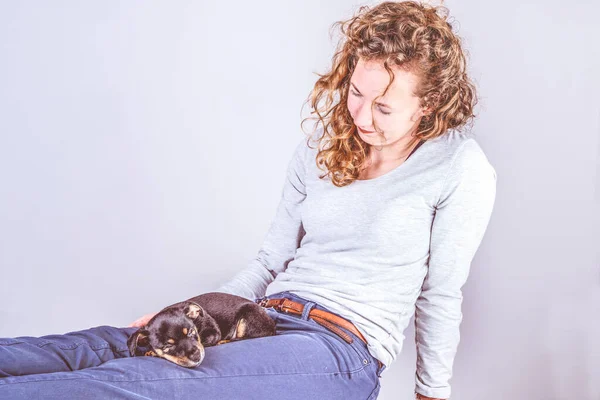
(379, 218)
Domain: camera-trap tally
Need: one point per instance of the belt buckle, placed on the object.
(262, 302)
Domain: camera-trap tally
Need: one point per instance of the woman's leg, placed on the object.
(68, 352)
(303, 361)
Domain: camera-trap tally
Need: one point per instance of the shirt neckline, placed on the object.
(394, 170)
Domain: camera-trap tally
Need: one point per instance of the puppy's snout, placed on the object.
(196, 354)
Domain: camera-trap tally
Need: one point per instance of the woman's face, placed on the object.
(397, 114)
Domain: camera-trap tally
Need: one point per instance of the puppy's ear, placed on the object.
(193, 310)
(138, 339)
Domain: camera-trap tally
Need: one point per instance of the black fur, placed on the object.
(214, 316)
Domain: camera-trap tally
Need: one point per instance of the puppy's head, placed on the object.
(172, 335)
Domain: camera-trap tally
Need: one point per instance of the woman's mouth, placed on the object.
(364, 131)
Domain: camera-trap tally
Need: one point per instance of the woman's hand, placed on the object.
(138, 323)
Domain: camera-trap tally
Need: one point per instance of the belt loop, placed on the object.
(307, 307)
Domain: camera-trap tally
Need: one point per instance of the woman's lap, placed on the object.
(60, 353)
(304, 360)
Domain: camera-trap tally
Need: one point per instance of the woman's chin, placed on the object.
(371, 138)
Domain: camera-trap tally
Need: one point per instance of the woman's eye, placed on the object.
(379, 107)
(383, 112)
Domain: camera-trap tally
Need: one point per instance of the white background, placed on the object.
(143, 148)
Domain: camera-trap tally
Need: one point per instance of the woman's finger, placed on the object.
(138, 323)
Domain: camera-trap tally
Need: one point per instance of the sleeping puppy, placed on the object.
(180, 332)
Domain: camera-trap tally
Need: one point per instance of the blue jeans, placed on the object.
(302, 361)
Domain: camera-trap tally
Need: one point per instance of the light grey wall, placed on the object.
(143, 147)
(532, 305)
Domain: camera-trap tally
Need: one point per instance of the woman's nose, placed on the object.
(363, 116)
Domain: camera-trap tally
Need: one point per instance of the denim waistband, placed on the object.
(298, 299)
(313, 305)
(308, 306)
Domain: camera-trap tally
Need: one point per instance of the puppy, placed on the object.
(179, 332)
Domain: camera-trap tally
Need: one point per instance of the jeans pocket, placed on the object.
(357, 349)
(363, 354)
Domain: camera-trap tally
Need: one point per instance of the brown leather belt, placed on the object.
(324, 318)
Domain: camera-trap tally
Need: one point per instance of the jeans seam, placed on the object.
(374, 392)
(177, 378)
(76, 345)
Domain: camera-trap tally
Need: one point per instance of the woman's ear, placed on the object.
(138, 339)
(420, 113)
(426, 111)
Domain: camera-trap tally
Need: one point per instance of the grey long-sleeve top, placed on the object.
(378, 250)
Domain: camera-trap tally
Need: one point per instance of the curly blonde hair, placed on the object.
(409, 35)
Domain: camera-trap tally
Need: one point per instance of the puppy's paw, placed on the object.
(210, 337)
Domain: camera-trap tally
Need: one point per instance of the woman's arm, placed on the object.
(461, 218)
(282, 239)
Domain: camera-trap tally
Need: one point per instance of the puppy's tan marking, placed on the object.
(150, 353)
(192, 311)
(171, 341)
(159, 352)
(240, 330)
(185, 331)
(183, 361)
